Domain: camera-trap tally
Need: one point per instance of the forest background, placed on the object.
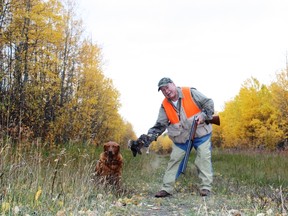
(53, 89)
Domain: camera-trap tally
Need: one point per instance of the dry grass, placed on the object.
(38, 181)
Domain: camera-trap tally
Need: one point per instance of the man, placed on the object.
(176, 114)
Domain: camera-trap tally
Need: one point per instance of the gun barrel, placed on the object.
(190, 144)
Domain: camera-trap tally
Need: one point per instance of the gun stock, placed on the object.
(215, 120)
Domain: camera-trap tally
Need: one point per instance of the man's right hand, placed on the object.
(143, 141)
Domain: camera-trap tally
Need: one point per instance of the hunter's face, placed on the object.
(170, 91)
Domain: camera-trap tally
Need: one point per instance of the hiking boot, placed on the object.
(162, 193)
(204, 192)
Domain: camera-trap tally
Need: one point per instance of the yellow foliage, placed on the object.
(60, 203)
(58, 72)
(5, 206)
(162, 145)
(38, 194)
(252, 119)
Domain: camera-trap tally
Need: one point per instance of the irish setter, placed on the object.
(108, 169)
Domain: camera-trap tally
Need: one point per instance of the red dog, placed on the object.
(109, 166)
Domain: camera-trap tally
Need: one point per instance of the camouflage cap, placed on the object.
(163, 82)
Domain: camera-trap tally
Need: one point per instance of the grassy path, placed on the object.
(58, 182)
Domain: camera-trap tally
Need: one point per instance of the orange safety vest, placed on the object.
(188, 104)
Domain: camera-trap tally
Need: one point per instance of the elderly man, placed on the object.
(178, 109)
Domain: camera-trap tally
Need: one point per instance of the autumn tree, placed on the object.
(250, 120)
(29, 34)
(279, 90)
(92, 114)
(52, 86)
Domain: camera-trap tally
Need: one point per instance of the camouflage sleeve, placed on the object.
(161, 123)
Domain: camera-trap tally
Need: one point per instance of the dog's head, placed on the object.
(111, 148)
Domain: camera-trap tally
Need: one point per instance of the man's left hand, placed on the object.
(200, 119)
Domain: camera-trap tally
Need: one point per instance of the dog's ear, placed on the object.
(117, 148)
(116, 144)
(106, 146)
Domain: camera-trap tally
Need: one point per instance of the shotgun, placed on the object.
(190, 144)
(214, 120)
